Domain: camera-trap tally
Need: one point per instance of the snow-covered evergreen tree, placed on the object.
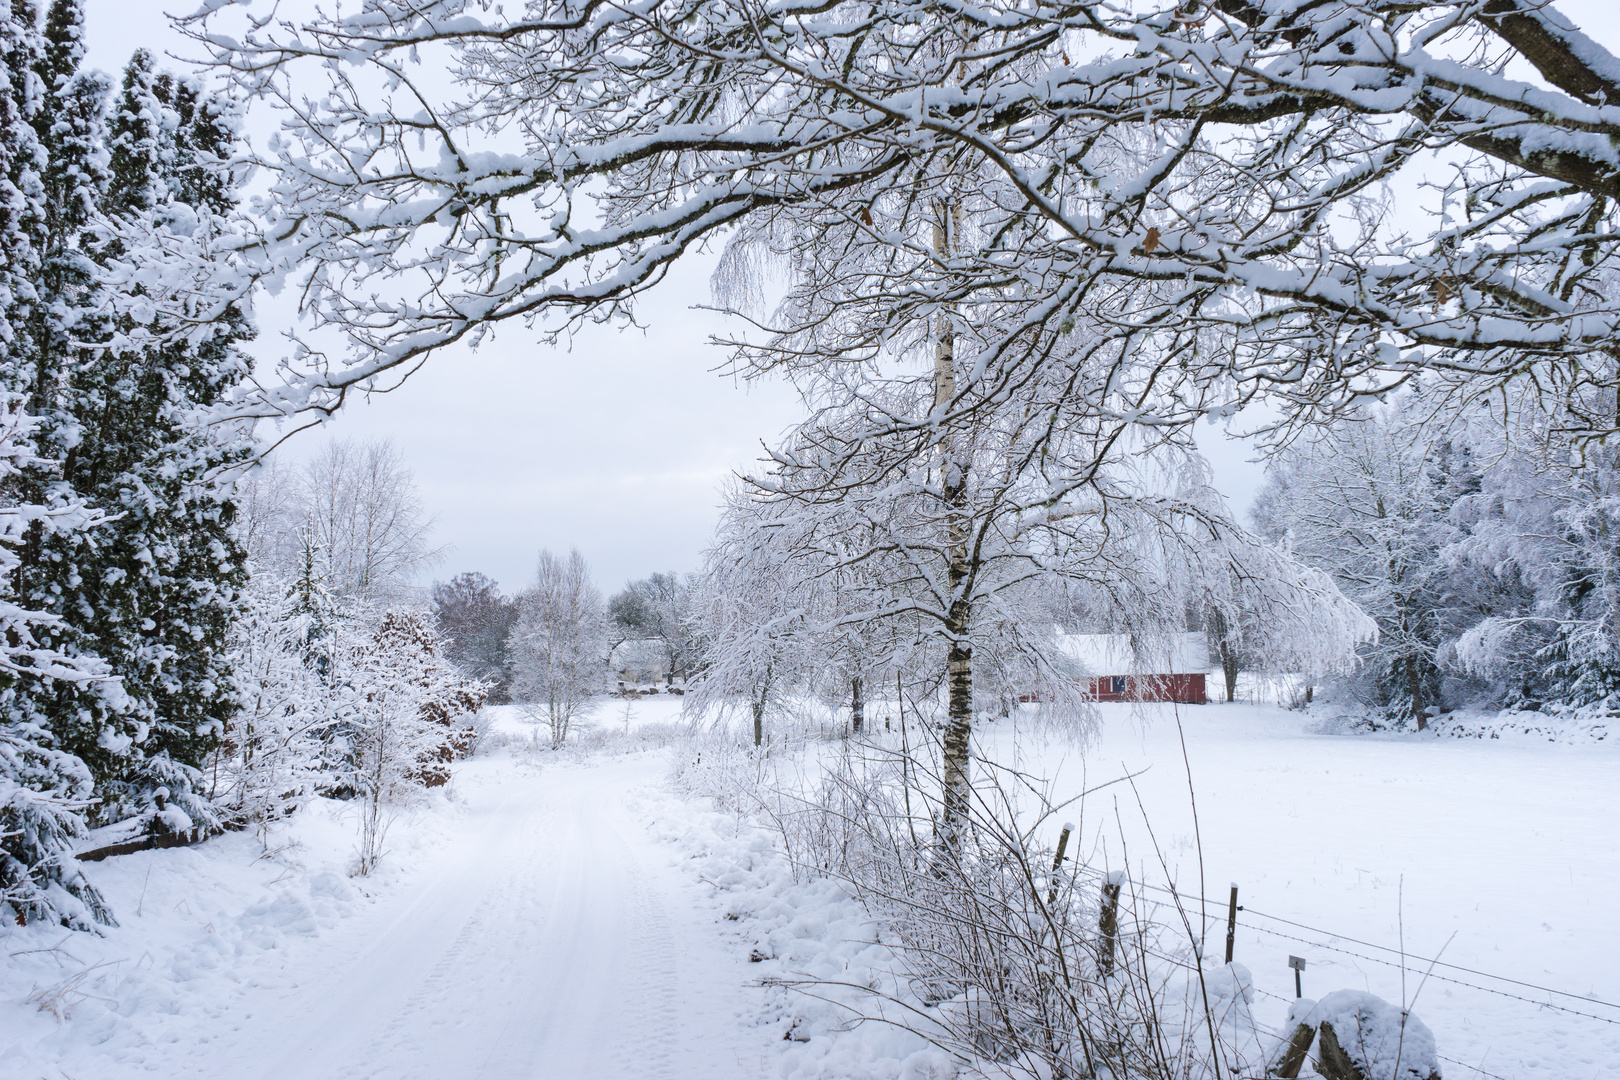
(44, 786)
(1539, 566)
(44, 789)
(155, 593)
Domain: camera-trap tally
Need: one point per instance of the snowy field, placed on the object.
(1496, 855)
(566, 916)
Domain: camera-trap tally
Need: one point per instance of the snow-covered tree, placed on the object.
(393, 733)
(1535, 604)
(151, 594)
(1370, 502)
(356, 501)
(750, 619)
(269, 515)
(658, 608)
(1207, 175)
(156, 595)
(558, 647)
(72, 131)
(273, 752)
(476, 621)
(360, 504)
(1268, 611)
(44, 788)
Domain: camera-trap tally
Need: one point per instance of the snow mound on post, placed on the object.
(1230, 984)
(1383, 1041)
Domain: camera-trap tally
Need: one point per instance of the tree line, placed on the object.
(557, 644)
(1485, 552)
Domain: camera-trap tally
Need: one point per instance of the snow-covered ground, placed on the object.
(531, 926)
(566, 916)
(1498, 855)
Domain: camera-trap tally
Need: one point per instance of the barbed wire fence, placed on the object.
(1215, 912)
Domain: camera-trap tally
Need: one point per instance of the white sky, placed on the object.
(617, 447)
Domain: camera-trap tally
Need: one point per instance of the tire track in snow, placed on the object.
(654, 1016)
(550, 943)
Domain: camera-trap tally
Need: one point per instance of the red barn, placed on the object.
(1169, 668)
(1183, 689)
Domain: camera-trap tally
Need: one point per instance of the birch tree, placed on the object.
(361, 507)
(559, 645)
(862, 520)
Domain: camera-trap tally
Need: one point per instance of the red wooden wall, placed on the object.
(1184, 689)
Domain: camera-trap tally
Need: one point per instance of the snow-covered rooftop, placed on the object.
(1113, 654)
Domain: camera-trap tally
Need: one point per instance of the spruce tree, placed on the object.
(158, 595)
(22, 193)
(44, 787)
(71, 128)
(58, 572)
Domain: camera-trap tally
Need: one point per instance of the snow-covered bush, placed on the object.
(1000, 958)
(411, 714)
(338, 701)
(271, 755)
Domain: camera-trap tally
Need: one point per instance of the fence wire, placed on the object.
(1420, 965)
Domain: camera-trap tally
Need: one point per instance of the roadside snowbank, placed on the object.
(830, 980)
(202, 930)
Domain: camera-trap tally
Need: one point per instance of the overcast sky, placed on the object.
(617, 446)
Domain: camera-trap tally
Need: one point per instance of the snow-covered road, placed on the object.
(551, 940)
(545, 934)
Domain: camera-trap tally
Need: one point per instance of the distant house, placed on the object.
(1172, 669)
(640, 661)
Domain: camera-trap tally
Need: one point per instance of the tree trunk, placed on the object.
(759, 707)
(959, 658)
(1414, 683)
(857, 706)
(958, 730)
(1226, 649)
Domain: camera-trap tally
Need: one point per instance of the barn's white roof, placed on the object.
(1112, 654)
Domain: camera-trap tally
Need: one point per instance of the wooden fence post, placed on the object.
(1108, 923)
(1231, 923)
(1057, 863)
(1291, 1055)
